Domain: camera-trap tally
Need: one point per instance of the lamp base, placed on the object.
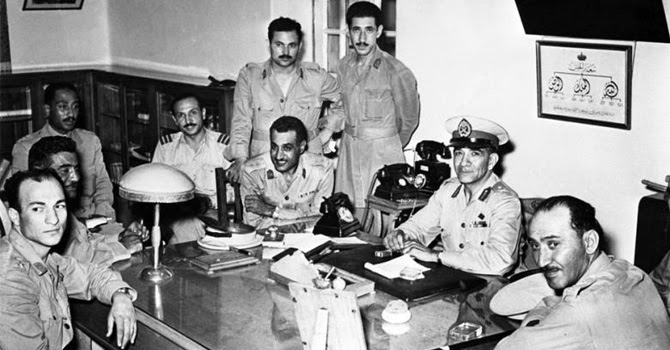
(156, 275)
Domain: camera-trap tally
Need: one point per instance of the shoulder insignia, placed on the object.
(304, 173)
(167, 138)
(223, 138)
(485, 194)
(270, 175)
(500, 186)
(377, 63)
(458, 189)
(40, 267)
(264, 74)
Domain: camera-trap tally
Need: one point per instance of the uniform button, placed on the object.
(54, 317)
(461, 245)
(482, 243)
(67, 326)
(282, 100)
(286, 198)
(462, 224)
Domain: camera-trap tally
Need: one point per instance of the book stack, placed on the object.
(224, 260)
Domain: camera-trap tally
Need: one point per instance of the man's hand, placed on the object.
(255, 204)
(235, 171)
(133, 237)
(395, 240)
(324, 136)
(122, 315)
(420, 251)
(137, 228)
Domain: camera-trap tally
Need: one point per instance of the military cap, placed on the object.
(469, 131)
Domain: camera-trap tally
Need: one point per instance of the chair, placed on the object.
(223, 209)
(526, 259)
(5, 224)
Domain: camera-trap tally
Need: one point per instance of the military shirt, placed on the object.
(302, 197)
(613, 306)
(480, 236)
(34, 308)
(381, 107)
(96, 193)
(198, 164)
(259, 101)
(94, 248)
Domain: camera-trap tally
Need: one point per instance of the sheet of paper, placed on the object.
(304, 242)
(348, 240)
(391, 269)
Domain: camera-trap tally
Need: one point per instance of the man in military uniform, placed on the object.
(287, 184)
(35, 282)
(602, 302)
(61, 105)
(381, 105)
(196, 151)
(477, 215)
(280, 86)
(103, 247)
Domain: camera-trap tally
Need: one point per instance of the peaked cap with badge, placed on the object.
(469, 131)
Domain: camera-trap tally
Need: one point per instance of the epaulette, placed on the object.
(485, 194)
(167, 138)
(223, 138)
(254, 164)
(500, 187)
(458, 189)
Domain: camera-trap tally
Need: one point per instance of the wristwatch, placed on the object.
(124, 290)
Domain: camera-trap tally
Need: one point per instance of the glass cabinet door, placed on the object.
(15, 117)
(139, 130)
(109, 126)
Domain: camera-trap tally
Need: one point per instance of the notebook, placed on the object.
(224, 260)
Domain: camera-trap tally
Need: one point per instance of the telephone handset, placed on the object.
(429, 150)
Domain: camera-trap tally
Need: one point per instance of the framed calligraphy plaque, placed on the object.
(584, 83)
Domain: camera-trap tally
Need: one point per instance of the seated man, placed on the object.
(61, 105)
(287, 183)
(60, 154)
(35, 282)
(196, 151)
(477, 215)
(605, 303)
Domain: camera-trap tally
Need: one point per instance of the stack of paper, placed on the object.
(392, 268)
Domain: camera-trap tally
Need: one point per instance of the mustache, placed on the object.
(188, 125)
(364, 44)
(550, 268)
(68, 120)
(288, 57)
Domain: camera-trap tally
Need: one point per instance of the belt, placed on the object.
(264, 135)
(370, 133)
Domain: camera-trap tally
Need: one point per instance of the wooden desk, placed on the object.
(243, 309)
(392, 209)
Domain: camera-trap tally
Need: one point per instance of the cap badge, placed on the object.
(464, 128)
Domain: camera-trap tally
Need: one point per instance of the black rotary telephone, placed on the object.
(433, 170)
(337, 219)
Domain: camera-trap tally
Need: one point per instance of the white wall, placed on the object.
(472, 57)
(58, 39)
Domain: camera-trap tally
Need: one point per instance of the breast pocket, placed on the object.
(378, 103)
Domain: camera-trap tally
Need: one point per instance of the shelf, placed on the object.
(15, 118)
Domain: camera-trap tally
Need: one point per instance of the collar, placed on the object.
(267, 69)
(23, 246)
(375, 61)
(205, 140)
(52, 132)
(598, 264)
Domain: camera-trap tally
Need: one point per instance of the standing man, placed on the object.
(476, 214)
(61, 105)
(60, 154)
(605, 303)
(280, 86)
(35, 282)
(381, 105)
(287, 183)
(196, 151)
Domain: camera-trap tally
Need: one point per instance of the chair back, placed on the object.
(5, 224)
(222, 197)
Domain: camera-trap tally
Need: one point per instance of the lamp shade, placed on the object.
(156, 183)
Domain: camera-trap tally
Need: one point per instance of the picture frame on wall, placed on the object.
(33, 5)
(585, 83)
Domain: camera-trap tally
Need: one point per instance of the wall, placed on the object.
(58, 39)
(472, 57)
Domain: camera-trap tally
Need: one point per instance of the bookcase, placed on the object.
(128, 112)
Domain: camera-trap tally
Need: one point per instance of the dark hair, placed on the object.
(582, 214)
(14, 183)
(50, 91)
(364, 9)
(284, 24)
(39, 156)
(184, 96)
(288, 123)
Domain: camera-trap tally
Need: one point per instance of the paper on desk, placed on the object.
(348, 240)
(391, 269)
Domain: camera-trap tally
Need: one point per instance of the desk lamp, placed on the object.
(156, 183)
